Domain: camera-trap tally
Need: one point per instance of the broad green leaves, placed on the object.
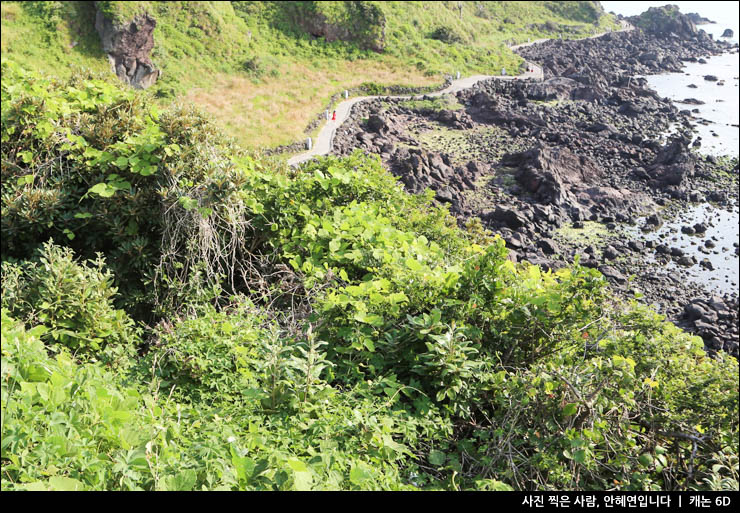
(26, 156)
(188, 203)
(56, 484)
(302, 477)
(437, 458)
(182, 482)
(121, 162)
(570, 409)
(103, 190)
(360, 475)
(25, 179)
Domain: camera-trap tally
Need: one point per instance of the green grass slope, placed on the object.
(259, 71)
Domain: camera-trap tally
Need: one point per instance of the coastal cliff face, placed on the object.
(128, 46)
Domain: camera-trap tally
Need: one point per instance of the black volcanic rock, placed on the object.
(376, 124)
(558, 88)
(667, 38)
(128, 46)
(665, 21)
(697, 19)
(548, 173)
(673, 163)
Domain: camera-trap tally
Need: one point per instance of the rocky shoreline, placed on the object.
(577, 166)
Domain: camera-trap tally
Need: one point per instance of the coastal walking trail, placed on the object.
(325, 138)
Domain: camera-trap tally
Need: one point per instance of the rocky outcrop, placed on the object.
(456, 119)
(665, 21)
(697, 18)
(420, 169)
(550, 173)
(574, 87)
(673, 163)
(660, 46)
(728, 33)
(128, 46)
(715, 320)
(557, 88)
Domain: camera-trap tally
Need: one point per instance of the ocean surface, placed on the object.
(720, 112)
(722, 231)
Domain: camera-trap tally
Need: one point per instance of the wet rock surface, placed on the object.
(576, 166)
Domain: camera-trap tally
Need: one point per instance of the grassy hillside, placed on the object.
(180, 315)
(54, 37)
(254, 67)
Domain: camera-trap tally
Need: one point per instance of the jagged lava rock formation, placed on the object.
(128, 46)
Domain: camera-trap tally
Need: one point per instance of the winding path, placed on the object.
(325, 138)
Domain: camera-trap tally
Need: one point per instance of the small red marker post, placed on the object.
(334, 116)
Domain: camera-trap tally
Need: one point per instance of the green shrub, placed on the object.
(123, 12)
(49, 12)
(433, 105)
(74, 301)
(211, 354)
(373, 89)
(77, 427)
(587, 12)
(450, 362)
(617, 413)
(254, 66)
(446, 35)
(100, 167)
(359, 23)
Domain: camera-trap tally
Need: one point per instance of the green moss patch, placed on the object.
(592, 233)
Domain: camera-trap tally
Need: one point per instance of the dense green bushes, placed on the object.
(446, 35)
(360, 23)
(208, 353)
(73, 301)
(90, 163)
(314, 329)
(432, 105)
(78, 427)
(587, 12)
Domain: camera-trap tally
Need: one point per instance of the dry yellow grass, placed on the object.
(277, 110)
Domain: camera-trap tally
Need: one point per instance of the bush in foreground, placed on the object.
(315, 329)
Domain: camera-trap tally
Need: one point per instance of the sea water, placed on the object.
(722, 230)
(720, 135)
